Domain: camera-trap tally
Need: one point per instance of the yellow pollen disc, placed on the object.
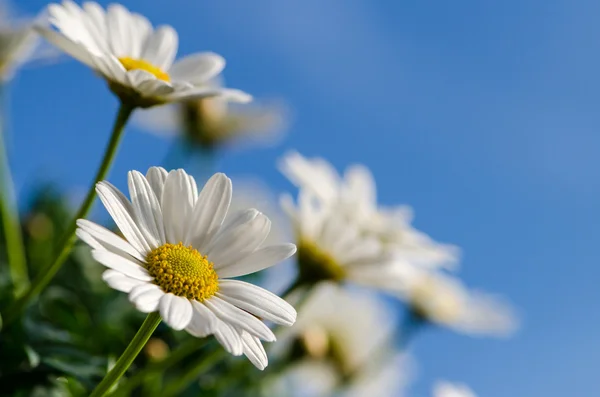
(317, 265)
(182, 271)
(140, 64)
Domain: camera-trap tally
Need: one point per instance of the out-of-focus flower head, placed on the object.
(209, 123)
(19, 44)
(136, 59)
(355, 196)
(440, 299)
(337, 341)
(178, 255)
(332, 247)
(343, 326)
(342, 234)
(447, 389)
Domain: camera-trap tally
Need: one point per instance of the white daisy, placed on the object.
(447, 389)
(441, 299)
(333, 346)
(332, 247)
(135, 59)
(178, 258)
(355, 194)
(343, 327)
(18, 41)
(216, 122)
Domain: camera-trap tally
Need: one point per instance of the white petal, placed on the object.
(239, 318)
(258, 260)
(108, 240)
(155, 88)
(204, 321)
(255, 351)
(190, 94)
(72, 48)
(96, 23)
(89, 240)
(361, 252)
(120, 29)
(142, 28)
(147, 209)
(236, 219)
(257, 301)
(230, 339)
(316, 175)
(233, 95)
(121, 211)
(194, 189)
(110, 67)
(209, 211)
(161, 47)
(197, 69)
(146, 297)
(135, 77)
(119, 281)
(237, 242)
(177, 205)
(361, 185)
(129, 267)
(156, 177)
(176, 311)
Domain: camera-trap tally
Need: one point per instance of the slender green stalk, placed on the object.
(130, 353)
(180, 353)
(69, 239)
(173, 389)
(9, 212)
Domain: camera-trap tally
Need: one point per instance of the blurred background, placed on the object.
(482, 117)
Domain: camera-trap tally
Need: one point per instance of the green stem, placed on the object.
(180, 353)
(69, 238)
(130, 353)
(175, 388)
(9, 212)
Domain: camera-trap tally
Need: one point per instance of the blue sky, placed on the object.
(483, 116)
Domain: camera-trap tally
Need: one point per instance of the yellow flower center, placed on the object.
(317, 265)
(182, 271)
(140, 64)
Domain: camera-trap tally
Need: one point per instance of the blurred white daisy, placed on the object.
(178, 257)
(340, 325)
(441, 299)
(447, 389)
(19, 44)
(135, 59)
(355, 195)
(209, 123)
(332, 247)
(335, 345)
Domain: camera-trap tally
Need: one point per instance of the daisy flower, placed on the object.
(178, 257)
(215, 122)
(18, 42)
(340, 326)
(447, 389)
(135, 58)
(440, 299)
(355, 194)
(332, 247)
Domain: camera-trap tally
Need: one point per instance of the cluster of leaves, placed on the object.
(67, 339)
